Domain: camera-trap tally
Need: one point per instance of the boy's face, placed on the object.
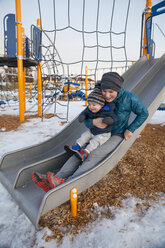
(109, 95)
(94, 107)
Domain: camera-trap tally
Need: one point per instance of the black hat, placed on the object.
(96, 97)
(111, 80)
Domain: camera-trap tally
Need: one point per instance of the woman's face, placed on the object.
(109, 95)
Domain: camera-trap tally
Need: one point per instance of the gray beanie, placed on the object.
(111, 80)
(96, 97)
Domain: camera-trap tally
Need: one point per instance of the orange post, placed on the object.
(39, 80)
(23, 41)
(73, 201)
(65, 89)
(24, 70)
(147, 14)
(24, 89)
(86, 84)
(30, 91)
(19, 59)
(39, 89)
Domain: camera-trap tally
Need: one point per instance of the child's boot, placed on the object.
(82, 154)
(72, 149)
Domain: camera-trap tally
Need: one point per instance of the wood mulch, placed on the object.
(140, 173)
(12, 123)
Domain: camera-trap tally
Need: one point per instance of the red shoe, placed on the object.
(54, 181)
(41, 181)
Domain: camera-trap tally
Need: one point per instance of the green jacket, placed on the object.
(126, 102)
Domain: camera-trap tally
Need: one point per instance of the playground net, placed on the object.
(76, 34)
(84, 33)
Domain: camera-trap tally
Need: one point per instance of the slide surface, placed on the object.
(145, 78)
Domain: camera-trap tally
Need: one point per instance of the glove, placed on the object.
(108, 120)
(81, 118)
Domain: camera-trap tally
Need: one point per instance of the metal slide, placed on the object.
(146, 79)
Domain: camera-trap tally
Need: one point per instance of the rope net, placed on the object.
(75, 34)
(84, 33)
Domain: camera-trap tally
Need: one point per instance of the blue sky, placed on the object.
(69, 42)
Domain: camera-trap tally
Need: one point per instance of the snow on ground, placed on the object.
(128, 228)
(36, 131)
(158, 118)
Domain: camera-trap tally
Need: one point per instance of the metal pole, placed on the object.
(86, 84)
(141, 39)
(19, 59)
(39, 80)
(147, 14)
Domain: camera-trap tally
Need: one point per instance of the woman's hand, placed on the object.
(127, 134)
(99, 123)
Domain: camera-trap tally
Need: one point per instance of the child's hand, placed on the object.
(108, 120)
(99, 123)
(127, 134)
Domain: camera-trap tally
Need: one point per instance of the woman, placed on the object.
(126, 102)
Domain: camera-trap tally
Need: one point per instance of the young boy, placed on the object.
(94, 136)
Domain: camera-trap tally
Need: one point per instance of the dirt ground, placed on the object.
(140, 173)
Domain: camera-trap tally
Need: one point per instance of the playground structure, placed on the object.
(10, 88)
(75, 90)
(145, 78)
(17, 57)
(46, 58)
(67, 91)
(32, 55)
(46, 61)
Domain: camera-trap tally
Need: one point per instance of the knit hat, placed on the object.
(96, 97)
(111, 80)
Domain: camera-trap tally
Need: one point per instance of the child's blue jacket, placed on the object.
(105, 111)
(126, 102)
